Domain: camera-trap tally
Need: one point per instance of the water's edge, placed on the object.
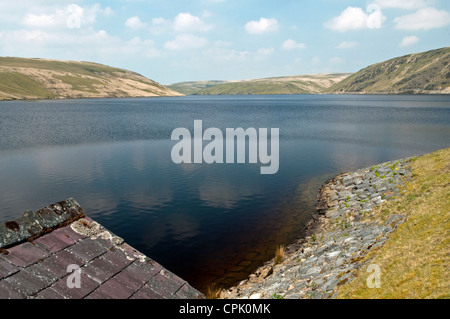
(333, 243)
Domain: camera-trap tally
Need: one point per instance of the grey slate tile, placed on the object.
(149, 266)
(187, 292)
(8, 291)
(87, 286)
(165, 284)
(112, 289)
(58, 262)
(49, 293)
(58, 239)
(133, 277)
(87, 249)
(117, 257)
(6, 268)
(146, 293)
(25, 254)
(26, 282)
(100, 269)
(110, 268)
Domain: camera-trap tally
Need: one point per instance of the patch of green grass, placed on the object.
(21, 85)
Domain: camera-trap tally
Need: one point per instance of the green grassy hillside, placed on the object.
(297, 84)
(426, 72)
(22, 78)
(191, 87)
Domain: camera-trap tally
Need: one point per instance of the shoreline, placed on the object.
(336, 239)
(209, 95)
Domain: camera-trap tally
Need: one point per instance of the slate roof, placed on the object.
(37, 248)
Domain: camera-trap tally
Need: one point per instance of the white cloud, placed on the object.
(75, 16)
(222, 54)
(292, 44)
(221, 43)
(160, 26)
(135, 23)
(354, 18)
(262, 26)
(108, 11)
(265, 51)
(159, 21)
(423, 19)
(186, 22)
(41, 20)
(27, 36)
(408, 41)
(72, 16)
(402, 4)
(233, 55)
(185, 41)
(144, 47)
(347, 45)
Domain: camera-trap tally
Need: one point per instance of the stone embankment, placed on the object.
(333, 244)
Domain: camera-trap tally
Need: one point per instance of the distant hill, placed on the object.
(297, 84)
(191, 87)
(22, 78)
(426, 72)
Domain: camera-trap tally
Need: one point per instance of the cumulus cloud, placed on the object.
(186, 41)
(186, 22)
(410, 40)
(354, 18)
(264, 52)
(142, 47)
(41, 20)
(292, 45)
(72, 16)
(264, 25)
(75, 16)
(135, 23)
(424, 19)
(347, 45)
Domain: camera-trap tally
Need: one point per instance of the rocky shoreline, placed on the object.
(341, 232)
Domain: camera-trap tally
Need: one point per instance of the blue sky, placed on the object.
(179, 40)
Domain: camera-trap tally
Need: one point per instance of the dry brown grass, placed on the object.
(213, 292)
(415, 260)
(279, 254)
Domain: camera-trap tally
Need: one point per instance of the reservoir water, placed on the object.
(205, 222)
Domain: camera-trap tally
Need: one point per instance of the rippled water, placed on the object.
(204, 222)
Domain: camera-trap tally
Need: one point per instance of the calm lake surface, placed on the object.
(204, 222)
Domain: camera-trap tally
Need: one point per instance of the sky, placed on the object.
(171, 41)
